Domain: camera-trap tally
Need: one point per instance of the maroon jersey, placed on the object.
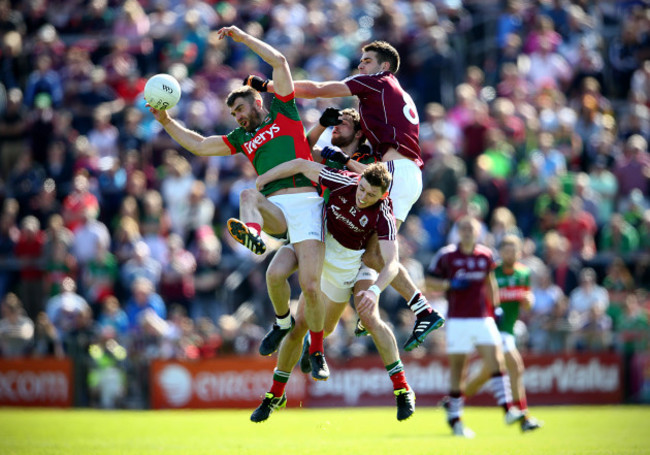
(388, 115)
(450, 263)
(348, 224)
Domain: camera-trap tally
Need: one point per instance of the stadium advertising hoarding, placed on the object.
(36, 382)
(242, 382)
(234, 382)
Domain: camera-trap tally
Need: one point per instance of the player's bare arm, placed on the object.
(281, 72)
(310, 89)
(493, 289)
(369, 298)
(309, 169)
(191, 140)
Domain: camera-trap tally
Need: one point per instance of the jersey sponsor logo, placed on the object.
(261, 138)
(340, 217)
(471, 276)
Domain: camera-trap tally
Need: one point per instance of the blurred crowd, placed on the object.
(535, 118)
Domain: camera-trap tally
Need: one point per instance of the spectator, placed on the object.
(13, 131)
(143, 299)
(113, 316)
(579, 227)
(633, 169)
(587, 296)
(44, 79)
(47, 340)
(551, 206)
(142, 265)
(618, 237)
(16, 329)
(79, 203)
(605, 184)
(434, 218)
(208, 278)
(177, 277)
(29, 253)
(67, 310)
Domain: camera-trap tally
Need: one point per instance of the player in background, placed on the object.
(513, 279)
(357, 207)
(287, 207)
(391, 124)
(466, 272)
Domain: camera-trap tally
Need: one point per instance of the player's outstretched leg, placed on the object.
(269, 404)
(246, 236)
(271, 341)
(405, 400)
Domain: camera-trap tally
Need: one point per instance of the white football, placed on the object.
(162, 91)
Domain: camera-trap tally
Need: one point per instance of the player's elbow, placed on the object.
(278, 61)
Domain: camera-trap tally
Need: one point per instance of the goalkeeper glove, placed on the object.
(334, 154)
(257, 83)
(458, 283)
(330, 117)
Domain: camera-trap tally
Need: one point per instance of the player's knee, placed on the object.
(249, 196)
(276, 276)
(310, 287)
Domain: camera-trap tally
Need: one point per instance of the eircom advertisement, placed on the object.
(241, 382)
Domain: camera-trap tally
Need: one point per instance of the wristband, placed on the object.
(374, 288)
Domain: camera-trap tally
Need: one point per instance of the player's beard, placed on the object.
(340, 141)
(254, 121)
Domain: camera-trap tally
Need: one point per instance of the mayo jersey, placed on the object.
(280, 138)
(513, 287)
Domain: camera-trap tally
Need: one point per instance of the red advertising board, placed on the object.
(224, 383)
(549, 379)
(242, 382)
(36, 382)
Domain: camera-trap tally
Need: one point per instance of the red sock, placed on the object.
(316, 342)
(523, 405)
(277, 389)
(257, 227)
(399, 381)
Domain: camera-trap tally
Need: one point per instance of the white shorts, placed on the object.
(366, 274)
(508, 342)
(463, 334)
(304, 215)
(340, 270)
(406, 187)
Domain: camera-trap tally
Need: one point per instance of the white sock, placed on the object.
(284, 322)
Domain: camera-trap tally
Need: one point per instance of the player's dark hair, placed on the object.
(242, 92)
(385, 53)
(376, 174)
(354, 115)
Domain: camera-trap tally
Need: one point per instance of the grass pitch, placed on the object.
(616, 430)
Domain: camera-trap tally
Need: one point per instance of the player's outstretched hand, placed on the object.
(458, 283)
(257, 83)
(162, 116)
(330, 117)
(234, 32)
(334, 154)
